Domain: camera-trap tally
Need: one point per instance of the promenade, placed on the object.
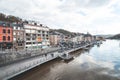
(16, 68)
(10, 56)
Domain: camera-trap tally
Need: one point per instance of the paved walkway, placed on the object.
(19, 67)
(10, 56)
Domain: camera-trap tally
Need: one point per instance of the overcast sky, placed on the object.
(94, 16)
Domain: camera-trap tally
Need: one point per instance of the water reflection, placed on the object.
(94, 63)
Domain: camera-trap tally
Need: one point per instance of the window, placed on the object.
(47, 35)
(39, 35)
(28, 43)
(39, 31)
(14, 33)
(21, 33)
(18, 28)
(35, 23)
(4, 24)
(14, 39)
(8, 38)
(27, 34)
(33, 42)
(34, 35)
(21, 28)
(47, 32)
(14, 27)
(8, 31)
(27, 38)
(4, 38)
(43, 35)
(18, 33)
(20, 44)
(4, 31)
(43, 32)
(18, 39)
(8, 25)
(33, 38)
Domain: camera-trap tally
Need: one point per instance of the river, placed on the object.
(100, 62)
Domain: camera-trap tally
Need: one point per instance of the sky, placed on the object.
(93, 16)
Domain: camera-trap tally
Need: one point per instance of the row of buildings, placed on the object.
(56, 38)
(32, 35)
(24, 35)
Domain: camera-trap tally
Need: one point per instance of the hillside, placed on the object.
(104, 36)
(65, 32)
(115, 37)
(9, 18)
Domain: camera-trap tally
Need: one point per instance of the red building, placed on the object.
(6, 35)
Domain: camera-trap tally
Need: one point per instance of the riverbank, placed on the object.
(94, 63)
(22, 66)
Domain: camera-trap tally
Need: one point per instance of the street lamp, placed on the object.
(26, 49)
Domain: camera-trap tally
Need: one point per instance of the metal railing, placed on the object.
(13, 72)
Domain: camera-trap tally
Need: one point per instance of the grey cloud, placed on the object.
(116, 8)
(74, 5)
(55, 16)
(82, 13)
(99, 2)
(91, 3)
(16, 7)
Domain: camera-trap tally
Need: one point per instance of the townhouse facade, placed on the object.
(55, 38)
(18, 36)
(6, 35)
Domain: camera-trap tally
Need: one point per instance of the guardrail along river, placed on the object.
(101, 62)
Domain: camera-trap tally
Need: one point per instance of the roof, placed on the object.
(5, 24)
(18, 24)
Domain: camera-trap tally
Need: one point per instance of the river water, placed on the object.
(101, 62)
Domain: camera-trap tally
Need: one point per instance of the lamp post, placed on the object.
(1, 47)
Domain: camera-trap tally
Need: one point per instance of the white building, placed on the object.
(36, 35)
(78, 38)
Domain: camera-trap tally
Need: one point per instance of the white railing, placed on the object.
(13, 72)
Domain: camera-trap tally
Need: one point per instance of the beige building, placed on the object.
(18, 36)
(55, 38)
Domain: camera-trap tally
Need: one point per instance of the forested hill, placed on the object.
(9, 18)
(115, 37)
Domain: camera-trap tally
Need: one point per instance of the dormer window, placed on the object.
(41, 25)
(4, 24)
